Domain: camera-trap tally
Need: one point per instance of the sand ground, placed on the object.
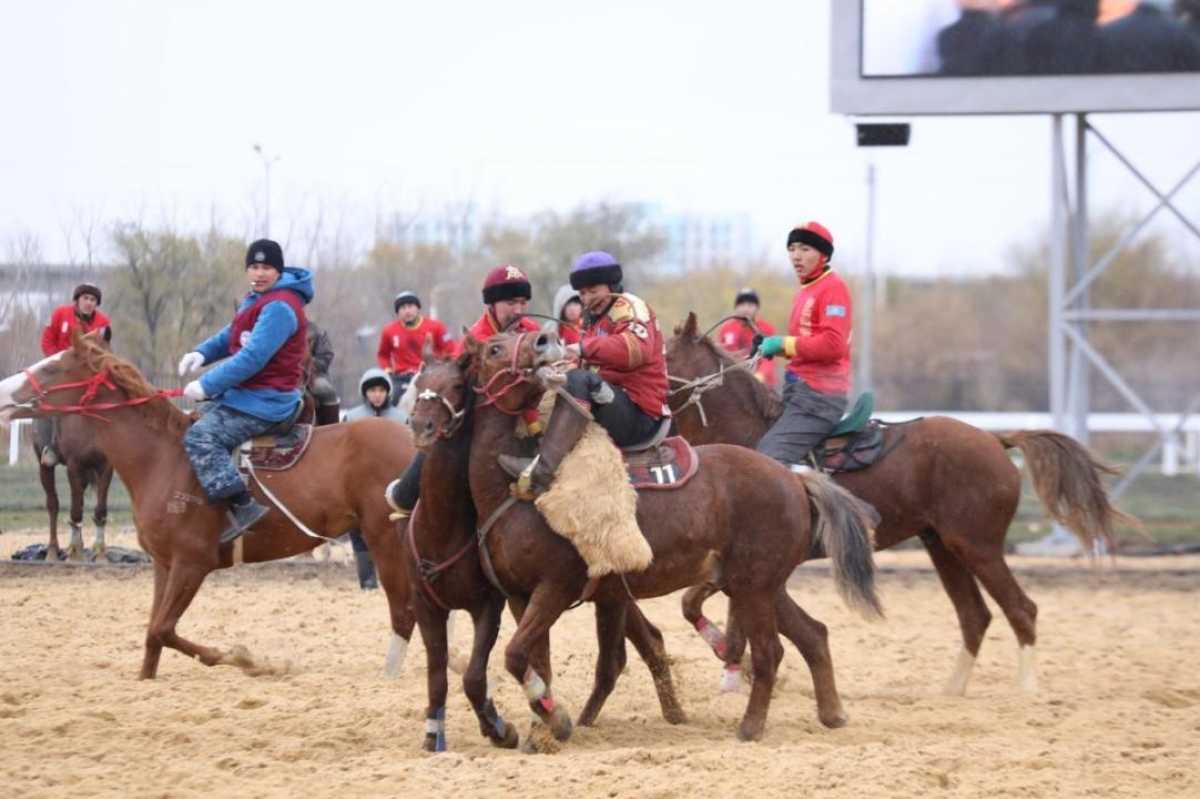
(1118, 713)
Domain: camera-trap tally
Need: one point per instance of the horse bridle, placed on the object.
(446, 430)
(520, 375)
(85, 406)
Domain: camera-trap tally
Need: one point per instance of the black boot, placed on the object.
(244, 513)
(403, 492)
(328, 414)
(366, 571)
(568, 421)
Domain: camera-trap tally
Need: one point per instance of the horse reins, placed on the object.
(701, 385)
(520, 376)
(91, 387)
(427, 570)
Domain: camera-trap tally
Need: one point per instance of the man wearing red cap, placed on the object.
(818, 346)
(402, 342)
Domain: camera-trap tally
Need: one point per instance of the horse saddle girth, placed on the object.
(277, 453)
(666, 466)
(852, 452)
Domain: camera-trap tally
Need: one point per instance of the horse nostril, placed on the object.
(540, 344)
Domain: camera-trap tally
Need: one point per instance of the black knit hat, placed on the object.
(86, 288)
(815, 235)
(746, 295)
(405, 298)
(265, 251)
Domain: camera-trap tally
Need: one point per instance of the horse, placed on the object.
(950, 484)
(86, 466)
(447, 574)
(338, 484)
(741, 512)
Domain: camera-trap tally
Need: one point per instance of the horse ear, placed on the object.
(689, 326)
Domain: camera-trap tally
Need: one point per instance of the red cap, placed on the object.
(505, 282)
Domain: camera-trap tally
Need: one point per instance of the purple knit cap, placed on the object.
(594, 268)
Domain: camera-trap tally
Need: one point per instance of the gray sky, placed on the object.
(150, 108)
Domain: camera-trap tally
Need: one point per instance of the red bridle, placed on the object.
(91, 387)
(519, 376)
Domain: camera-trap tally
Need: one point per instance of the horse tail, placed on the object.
(1067, 479)
(844, 529)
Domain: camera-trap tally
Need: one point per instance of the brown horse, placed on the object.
(338, 484)
(86, 466)
(945, 481)
(741, 513)
(447, 574)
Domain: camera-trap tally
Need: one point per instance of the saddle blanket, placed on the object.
(668, 466)
(277, 453)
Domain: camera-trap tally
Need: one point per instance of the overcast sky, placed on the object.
(119, 108)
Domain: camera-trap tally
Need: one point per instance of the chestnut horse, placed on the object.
(949, 483)
(337, 485)
(742, 513)
(86, 466)
(446, 572)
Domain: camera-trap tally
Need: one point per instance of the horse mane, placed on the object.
(126, 377)
(766, 400)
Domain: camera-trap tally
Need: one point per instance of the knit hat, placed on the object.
(746, 295)
(505, 282)
(815, 235)
(265, 251)
(595, 268)
(405, 298)
(85, 288)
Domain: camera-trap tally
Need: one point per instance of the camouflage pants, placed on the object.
(209, 443)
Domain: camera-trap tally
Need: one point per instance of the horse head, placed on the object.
(691, 354)
(75, 376)
(442, 400)
(508, 364)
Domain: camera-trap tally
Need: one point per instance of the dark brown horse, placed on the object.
(741, 513)
(951, 484)
(447, 574)
(86, 466)
(339, 484)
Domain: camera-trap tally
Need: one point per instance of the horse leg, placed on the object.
(811, 637)
(390, 570)
(649, 643)
(153, 645)
(75, 479)
(433, 632)
(545, 605)
(755, 610)
(973, 614)
(46, 475)
(182, 583)
(539, 653)
(475, 678)
(100, 512)
(986, 562)
(610, 640)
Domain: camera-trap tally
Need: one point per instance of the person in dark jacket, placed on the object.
(320, 352)
(1147, 40)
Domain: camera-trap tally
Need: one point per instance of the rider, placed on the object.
(818, 346)
(258, 387)
(568, 310)
(737, 336)
(84, 315)
(506, 294)
(320, 352)
(402, 341)
(624, 383)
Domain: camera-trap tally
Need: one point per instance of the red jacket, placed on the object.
(736, 338)
(821, 323)
(486, 327)
(400, 346)
(569, 333)
(626, 346)
(56, 336)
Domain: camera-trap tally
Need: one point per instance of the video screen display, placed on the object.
(960, 38)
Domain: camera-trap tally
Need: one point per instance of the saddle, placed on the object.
(663, 466)
(855, 442)
(276, 453)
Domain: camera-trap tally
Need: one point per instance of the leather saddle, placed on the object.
(280, 448)
(855, 442)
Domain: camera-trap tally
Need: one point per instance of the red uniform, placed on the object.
(569, 333)
(737, 338)
(486, 327)
(627, 348)
(821, 324)
(401, 345)
(56, 336)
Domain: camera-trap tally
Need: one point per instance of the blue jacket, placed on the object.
(276, 324)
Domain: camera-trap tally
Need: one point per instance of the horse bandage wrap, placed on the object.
(592, 505)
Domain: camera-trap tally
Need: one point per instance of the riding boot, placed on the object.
(566, 426)
(328, 414)
(402, 493)
(244, 513)
(366, 571)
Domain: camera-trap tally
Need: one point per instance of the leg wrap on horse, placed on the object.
(807, 418)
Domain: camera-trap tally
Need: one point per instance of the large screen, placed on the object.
(904, 57)
(1029, 37)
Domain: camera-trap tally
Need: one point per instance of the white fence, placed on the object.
(1177, 454)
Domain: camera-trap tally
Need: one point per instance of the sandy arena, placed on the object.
(1118, 713)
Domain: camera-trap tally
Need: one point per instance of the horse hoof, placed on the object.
(560, 724)
(750, 733)
(75, 554)
(539, 741)
(732, 682)
(433, 743)
(509, 740)
(839, 719)
(675, 715)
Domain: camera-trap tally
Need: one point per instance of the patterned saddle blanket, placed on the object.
(276, 453)
(666, 466)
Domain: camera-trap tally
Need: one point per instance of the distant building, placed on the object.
(703, 241)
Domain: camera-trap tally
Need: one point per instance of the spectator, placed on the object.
(568, 310)
(402, 342)
(1147, 40)
(736, 336)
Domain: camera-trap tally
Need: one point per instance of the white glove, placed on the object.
(194, 391)
(190, 363)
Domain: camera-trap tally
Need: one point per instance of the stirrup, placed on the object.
(523, 488)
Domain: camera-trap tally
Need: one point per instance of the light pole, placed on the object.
(267, 162)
